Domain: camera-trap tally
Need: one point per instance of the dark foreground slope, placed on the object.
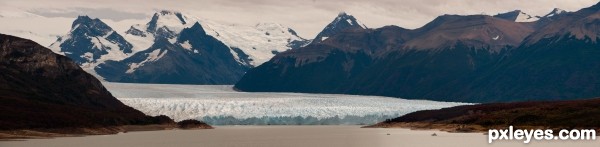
(43, 90)
(556, 114)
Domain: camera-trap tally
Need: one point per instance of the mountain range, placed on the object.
(174, 48)
(472, 58)
(467, 58)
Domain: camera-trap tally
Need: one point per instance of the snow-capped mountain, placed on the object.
(161, 42)
(517, 16)
(250, 45)
(554, 15)
(520, 16)
(191, 57)
(254, 45)
(536, 22)
(91, 41)
(555, 12)
(342, 22)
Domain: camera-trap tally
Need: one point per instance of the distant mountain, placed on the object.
(517, 16)
(474, 31)
(42, 90)
(473, 58)
(250, 45)
(105, 53)
(254, 45)
(194, 57)
(554, 13)
(342, 22)
(557, 62)
(535, 21)
(383, 61)
(92, 41)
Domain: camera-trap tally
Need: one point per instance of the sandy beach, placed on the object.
(287, 136)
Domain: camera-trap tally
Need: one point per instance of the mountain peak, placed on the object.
(517, 16)
(349, 19)
(167, 17)
(342, 22)
(95, 27)
(198, 28)
(85, 20)
(90, 39)
(168, 12)
(555, 12)
(342, 13)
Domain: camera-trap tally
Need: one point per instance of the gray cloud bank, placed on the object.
(307, 17)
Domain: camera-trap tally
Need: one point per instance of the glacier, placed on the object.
(222, 105)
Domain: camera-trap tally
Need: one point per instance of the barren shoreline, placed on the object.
(288, 136)
(81, 132)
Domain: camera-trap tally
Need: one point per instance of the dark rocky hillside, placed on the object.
(572, 114)
(42, 90)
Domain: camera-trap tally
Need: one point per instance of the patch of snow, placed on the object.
(555, 12)
(152, 56)
(186, 45)
(253, 41)
(89, 56)
(139, 43)
(323, 38)
(114, 51)
(173, 40)
(524, 17)
(497, 37)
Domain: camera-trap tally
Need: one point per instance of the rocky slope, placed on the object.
(557, 62)
(41, 90)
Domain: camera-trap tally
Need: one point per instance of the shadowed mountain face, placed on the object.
(154, 52)
(560, 61)
(453, 58)
(40, 89)
(195, 58)
(324, 65)
(91, 39)
(342, 22)
(475, 31)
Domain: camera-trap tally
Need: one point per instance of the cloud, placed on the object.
(105, 13)
(307, 17)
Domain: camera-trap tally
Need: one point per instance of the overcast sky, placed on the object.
(307, 17)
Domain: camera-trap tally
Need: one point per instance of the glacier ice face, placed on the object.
(221, 105)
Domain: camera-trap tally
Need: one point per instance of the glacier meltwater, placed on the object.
(221, 105)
